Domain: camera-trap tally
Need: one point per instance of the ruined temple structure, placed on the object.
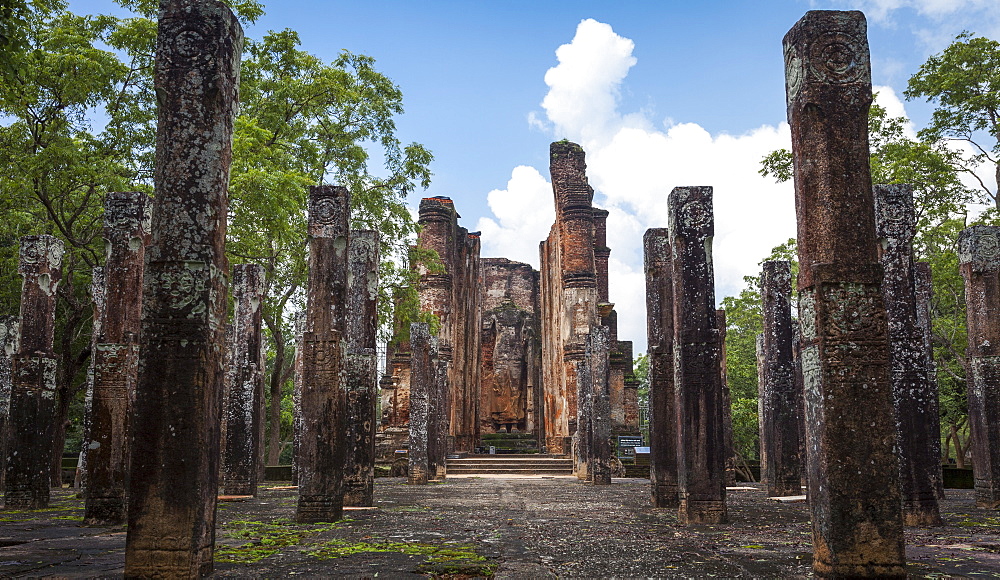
(510, 391)
(501, 327)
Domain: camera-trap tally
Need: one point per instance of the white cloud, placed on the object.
(525, 213)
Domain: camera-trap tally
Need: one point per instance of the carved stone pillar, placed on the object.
(700, 449)
(979, 259)
(853, 473)
(174, 477)
(8, 346)
(244, 405)
(660, 336)
(323, 445)
(116, 357)
(33, 376)
(599, 420)
(423, 368)
(915, 396)
(924, 290)
(779, 421)
(362, 367)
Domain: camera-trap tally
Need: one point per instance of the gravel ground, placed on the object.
(502, 527)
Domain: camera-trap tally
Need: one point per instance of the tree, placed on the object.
(964, 82)
(305, 122)
(744, 322)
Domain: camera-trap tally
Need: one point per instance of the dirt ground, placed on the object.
(502, 527)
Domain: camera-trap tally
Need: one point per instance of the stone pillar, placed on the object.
(924, 290)
(8, 346)
(33, 376)
(915, 397)
(362, 367)
(174, 477)
(700, 449)
(322, 445)
(584, 410)
(97, 299)
(979, 259)
(116, 357)
(727, 405)
(300, 328)
(779, 429)
(599, 420)
(244, 405)
(660, 337)
(422, 378)
(853, 471)
(438, 423)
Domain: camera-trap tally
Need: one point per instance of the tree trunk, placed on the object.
(959, 451)
(277, 370)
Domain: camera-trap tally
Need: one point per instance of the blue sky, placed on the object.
(660, 94)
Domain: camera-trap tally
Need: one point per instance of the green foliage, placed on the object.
(640, 370)
(964, 82)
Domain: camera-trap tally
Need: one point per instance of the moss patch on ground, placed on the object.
(439, 559)
(266, 538)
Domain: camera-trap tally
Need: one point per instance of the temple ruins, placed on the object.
(513, 339)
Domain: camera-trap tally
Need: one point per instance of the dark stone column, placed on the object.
(33, 376)
(116, 357)
(97, 300)
(423, 369)
(602, 253)
(174, 477)
(362, 368)
(599, 423)
(323, 445)
(8, 346)
(779, 421)
(915, 397)
(700, 449)
(979, 259)
(244, 405)
(437, 447)
(800, 400)
(660, 336)
(924, 290)
(727, 402)
(584, 410)
(853, 471)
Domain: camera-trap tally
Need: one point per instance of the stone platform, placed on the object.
(510, 527)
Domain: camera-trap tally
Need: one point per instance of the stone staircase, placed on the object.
(510, 464)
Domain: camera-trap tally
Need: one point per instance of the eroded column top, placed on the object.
(979, 248)
(690, 213)
(40, 254)
(329, 211)
(826, 48)
(895, 214)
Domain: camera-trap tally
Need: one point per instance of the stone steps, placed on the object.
(511, 464)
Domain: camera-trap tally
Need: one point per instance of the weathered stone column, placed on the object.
(584, 410)
(323, 445)
(979, 259)
(853, 471)
(174, 477)
(116, 356)
(727, 404)
(33, 376)
(362, 367)
(779, 430)
(98, 301)
(660, 337)
(924, 290)
(915, 397)
(700, 450)
(599, 423)
(422, 379)
(437, 447)
(244, 405)
(8, 346)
